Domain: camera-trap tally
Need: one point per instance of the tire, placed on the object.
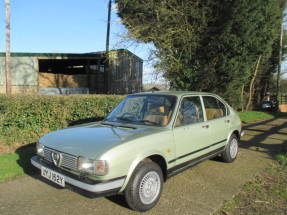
(231, 150)
(145, 186)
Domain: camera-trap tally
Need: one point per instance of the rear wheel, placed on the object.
(231, 150)
(145, 186)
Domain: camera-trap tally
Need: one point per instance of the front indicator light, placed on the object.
(101, 167)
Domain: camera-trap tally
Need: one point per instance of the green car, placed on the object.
(145, 140)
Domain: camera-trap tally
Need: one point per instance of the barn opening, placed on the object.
(72, 75)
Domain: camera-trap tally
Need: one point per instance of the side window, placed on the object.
(213, 107)
(190, 111)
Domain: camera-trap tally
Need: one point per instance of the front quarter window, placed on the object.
(144, 109)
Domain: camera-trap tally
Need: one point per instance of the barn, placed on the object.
(89, 73)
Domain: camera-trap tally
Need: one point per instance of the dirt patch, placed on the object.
(4, 149)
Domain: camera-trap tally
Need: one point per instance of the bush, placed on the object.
(24, 118)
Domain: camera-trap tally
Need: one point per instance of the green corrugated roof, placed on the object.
(99, 54)
(22, 54)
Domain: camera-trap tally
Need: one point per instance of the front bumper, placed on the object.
(98, 188)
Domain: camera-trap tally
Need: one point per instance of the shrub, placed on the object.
(24, 118)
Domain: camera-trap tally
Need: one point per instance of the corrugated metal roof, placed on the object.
(99, 54)
(64, 55)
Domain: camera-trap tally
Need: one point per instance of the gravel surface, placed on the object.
(199, 190)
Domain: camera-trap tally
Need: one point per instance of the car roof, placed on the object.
(173, 93)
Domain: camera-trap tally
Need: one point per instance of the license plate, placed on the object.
(53, 176)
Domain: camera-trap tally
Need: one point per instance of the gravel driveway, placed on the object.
(199, 190)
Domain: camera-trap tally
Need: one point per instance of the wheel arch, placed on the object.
(156, 158)
(236, 134)
(159, 160)
(230, 152)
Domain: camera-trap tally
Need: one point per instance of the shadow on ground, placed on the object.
(268, 136)
(119, 200)
(25, 153)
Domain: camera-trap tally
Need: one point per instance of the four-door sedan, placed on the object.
(146, 139)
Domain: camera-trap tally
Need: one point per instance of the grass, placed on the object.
(267, 194)
(253, 116)
(282, 157)
(15, 165)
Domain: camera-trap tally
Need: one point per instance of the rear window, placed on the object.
(214, 108)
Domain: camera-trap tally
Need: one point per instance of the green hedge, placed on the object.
(23, 118)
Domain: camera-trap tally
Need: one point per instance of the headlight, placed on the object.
(40, 149)
(97, 167)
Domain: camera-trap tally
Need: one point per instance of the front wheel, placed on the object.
(231, 150)
(145, 186)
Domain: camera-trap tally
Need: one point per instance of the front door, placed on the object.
(190, 130)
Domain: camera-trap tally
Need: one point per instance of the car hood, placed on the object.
(90, 140)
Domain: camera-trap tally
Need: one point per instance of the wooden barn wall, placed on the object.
(125, 73)
(51, 80)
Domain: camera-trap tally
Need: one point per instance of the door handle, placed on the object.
(205, 126)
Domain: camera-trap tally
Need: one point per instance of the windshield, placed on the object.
(144, 109)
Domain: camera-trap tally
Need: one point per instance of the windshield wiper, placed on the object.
(106, 124)
(124, 119)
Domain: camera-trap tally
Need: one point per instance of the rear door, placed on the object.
(218, 121)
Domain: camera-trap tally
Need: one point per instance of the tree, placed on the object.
(207, 45)
(256, 27)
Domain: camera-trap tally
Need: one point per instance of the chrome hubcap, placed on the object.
(233, 148)
(149, 187)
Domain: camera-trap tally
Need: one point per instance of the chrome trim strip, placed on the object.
(191, 153)
(101, 187)
(183, 166)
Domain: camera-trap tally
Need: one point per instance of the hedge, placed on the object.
(24, 118)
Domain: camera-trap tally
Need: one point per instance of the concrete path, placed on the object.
(199, 190)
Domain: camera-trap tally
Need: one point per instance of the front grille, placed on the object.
(68, 161)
